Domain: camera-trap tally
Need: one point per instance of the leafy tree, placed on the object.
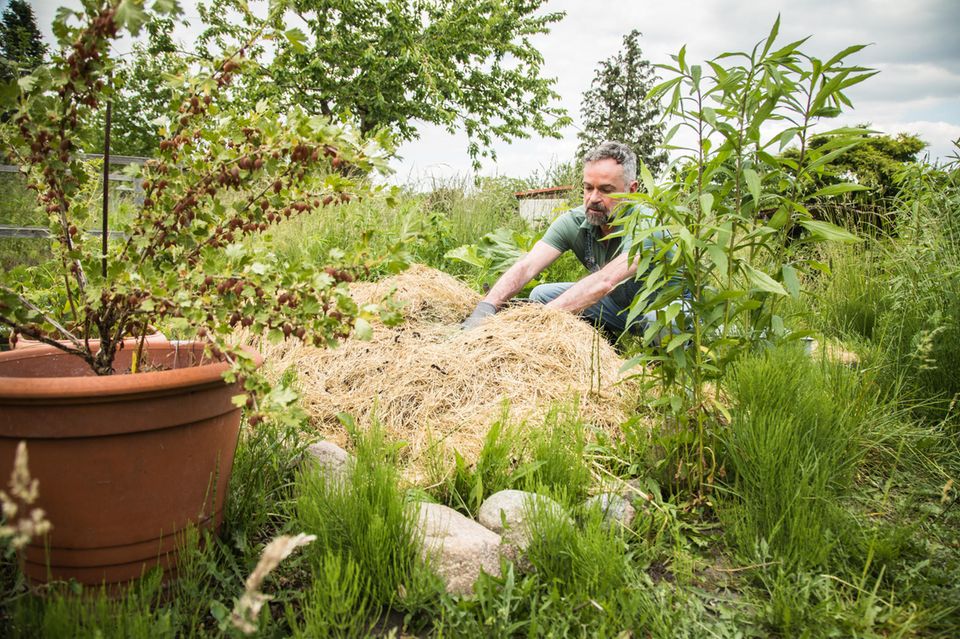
(142, 94)
(466, 64)
(21, 45)
(873, 163)
(614, 108)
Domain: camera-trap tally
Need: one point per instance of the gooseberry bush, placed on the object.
(220, 176)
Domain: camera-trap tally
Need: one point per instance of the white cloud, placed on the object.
(939, 135)
(914, 45)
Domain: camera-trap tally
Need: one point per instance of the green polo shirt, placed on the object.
(572, 232)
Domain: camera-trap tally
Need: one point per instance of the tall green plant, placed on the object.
(792, 446)
(362, 518)
(614, 107)
(919, 330)
(735, 211)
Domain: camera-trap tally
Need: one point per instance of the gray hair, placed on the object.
(618, 151)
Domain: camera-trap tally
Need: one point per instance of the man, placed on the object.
(604, 296)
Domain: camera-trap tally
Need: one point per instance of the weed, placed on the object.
(557, 454)
(792, 448)
(364, 519)
(337, 604)
(498, 467)
(94, 614)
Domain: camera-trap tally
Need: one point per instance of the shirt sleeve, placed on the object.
(559, 235)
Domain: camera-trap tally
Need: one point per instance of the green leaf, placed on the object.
(718, 256)
(823, 267)
(827, 112)
(8, 94)
(282, 396)
(776, 323)
(827, 158)
(706, 203)
(678, 340)
(362, 330)
(131, 16)
(771, 38)
(753, 183)
(26, 83)
(297, 40)
(673, 131)
(178, 324)
(167, 7)
(348, 422)
(762, 281)
(235, 251)
(844, 53)
(790, 280)
(779, 219)
(826, 231)
(467, 253)
(710, 116)
(837, 189)
(671, 313)
(647, 178)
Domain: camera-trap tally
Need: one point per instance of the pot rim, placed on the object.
(117, 385)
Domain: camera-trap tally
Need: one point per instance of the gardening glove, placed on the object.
(480, 313)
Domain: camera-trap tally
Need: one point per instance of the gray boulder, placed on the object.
(506, 513)
(329, 459)
(616, 509)
(457, 547)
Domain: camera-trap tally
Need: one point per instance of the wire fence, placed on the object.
(128, 184)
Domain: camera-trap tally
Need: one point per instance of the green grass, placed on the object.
(548, 458)
(852, 297)
(140, 614)
(418, 227)
(366, 532)
(792, 448)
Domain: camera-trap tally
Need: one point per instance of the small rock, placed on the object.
(458, 547)
(510, 507)
(615, 508)
(328, 458)
(833, 351)
(636, 492)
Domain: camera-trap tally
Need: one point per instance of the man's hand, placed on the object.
(480, 313)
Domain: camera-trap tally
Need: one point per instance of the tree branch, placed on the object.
(25, 330)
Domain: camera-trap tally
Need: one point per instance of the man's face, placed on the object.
(601, 179)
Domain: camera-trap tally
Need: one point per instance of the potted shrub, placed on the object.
(131, 441)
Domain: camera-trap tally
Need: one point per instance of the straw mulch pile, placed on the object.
(429, 382)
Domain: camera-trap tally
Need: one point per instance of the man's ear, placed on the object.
(633, 187)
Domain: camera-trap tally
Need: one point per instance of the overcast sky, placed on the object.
(914, 44)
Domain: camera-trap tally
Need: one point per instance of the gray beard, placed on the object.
(597, 218)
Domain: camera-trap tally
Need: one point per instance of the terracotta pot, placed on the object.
(125, 463)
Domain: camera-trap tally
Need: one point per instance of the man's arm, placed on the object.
(592, 288)
(515, 278)
(525, 269)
